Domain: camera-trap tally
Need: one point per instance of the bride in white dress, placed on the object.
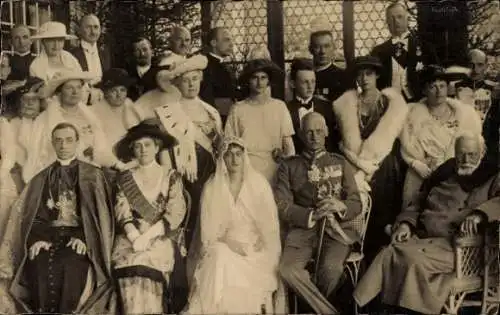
(240, 240)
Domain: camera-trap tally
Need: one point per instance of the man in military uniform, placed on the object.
(484, 95)
(331, 81)
(314, 187)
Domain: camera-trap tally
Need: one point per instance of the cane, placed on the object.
(320, 248)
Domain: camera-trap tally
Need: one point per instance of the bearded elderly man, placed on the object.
(416, 269)
(312, 186)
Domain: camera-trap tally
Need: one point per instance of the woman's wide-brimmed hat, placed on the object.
(432, 73)
(149, 128)
(31, 87)
(366, 62)
(260, 65)
(115, 77)
(177, 67)
(62, 77)
(53, 29)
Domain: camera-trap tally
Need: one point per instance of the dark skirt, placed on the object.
(387, 191)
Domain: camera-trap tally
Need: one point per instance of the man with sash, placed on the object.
(484, 95)
(57, 245)
(316, 189)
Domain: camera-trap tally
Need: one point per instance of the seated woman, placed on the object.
(8, 192)
(263, 122)
(111, 110)
(237, 273)
(432, 125)
(149, 208)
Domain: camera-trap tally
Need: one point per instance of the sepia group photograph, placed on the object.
(237, 157)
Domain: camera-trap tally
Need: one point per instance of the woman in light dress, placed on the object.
(29, 104)
(112, 109)
(8, 191)
(149, 209)
(264, 123)
(237, 273)
(432, 125)
(53, 58)
(64, 94)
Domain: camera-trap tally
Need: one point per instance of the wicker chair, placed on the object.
(491, 287)
(476, 270)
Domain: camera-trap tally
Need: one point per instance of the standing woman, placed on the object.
(370, 123)
(53, 58)
(428, 137)
(263, 122)
(149, 208)
(197, 127)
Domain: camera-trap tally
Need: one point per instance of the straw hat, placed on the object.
(53, 29)
(179, 67)
(147, 128)
(62, 77)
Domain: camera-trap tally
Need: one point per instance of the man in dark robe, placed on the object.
(142, 68)
(219, 87)
(484, 95)
(309, 187)
(303, 81)
(58, 244)
(331, 81)
(403, 55)
(416, 270)
(92, 57)
(21, 60)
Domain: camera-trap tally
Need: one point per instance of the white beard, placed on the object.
(467, 170)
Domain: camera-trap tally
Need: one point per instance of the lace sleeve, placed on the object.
(123, 212)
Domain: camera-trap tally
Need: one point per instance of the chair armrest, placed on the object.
(469, 255)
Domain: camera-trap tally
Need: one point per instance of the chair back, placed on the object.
(361, 221)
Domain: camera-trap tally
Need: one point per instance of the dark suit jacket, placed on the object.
(416, 52)
(142, 85)
(104, 56)
(324, 108)
(217, 82)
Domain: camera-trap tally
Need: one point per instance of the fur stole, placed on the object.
(368, 154)
(413, 149)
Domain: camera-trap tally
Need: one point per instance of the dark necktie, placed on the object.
(306, 105)
(400, 54)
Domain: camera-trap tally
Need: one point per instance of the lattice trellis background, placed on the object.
(247, 22)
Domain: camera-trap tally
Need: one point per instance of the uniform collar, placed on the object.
(313, 155)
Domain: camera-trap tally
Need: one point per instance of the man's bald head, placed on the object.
(90, 28)
(478, 63)
(314, 131)
(21, 38)
(180, 40)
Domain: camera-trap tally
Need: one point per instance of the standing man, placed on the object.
(22, 58)
(218, 87)
(180, 44)
(91, 57)
(62, 237)
(142, 68)
(331, 81)
(402, 55)
(311, 186)
(303, 82)
(483, 94)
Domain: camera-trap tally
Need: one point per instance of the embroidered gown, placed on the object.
(143, 277)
